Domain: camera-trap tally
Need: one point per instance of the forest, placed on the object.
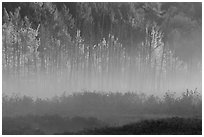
(49, 48)
(113, 63)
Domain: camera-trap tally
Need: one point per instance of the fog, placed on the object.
(51, 85)
(111, 68)
(117, 72)
(137, 53)
(68, 67)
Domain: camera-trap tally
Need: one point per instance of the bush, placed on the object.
(101, 103)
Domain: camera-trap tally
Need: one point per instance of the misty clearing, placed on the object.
(68, 68)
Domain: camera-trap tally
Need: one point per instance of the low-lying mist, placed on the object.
(46, 86)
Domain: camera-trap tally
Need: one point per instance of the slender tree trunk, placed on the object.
(35, 63)
(6, 57)
(18, 58)
(161, 67)
(14, 60)
(41, 48)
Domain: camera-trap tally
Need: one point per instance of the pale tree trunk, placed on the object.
(18, 58)
(161, 67)
(6, 57)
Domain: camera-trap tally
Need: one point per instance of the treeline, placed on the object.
(106, 46)
(101, 104)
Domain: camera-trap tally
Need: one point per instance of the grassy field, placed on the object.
(167, 126)
(42, 125)
(47, 124)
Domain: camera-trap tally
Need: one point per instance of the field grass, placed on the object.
(167, 126)
(43, 125)
(47, 124)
